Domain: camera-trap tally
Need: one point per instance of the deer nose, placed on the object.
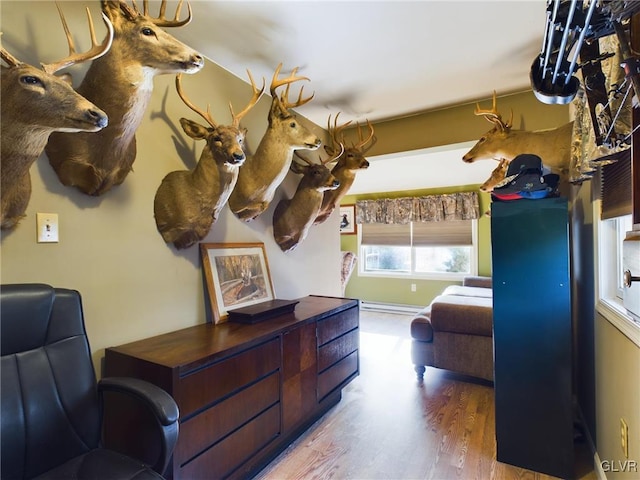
(197, 60)
(238, 157)
(99, 119)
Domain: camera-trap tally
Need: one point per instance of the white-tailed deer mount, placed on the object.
(347, 166)
(497, 175)
(188, 202)
(35, 103)
(293, 218)
(553, 146)
(265, 170)
(121, 82)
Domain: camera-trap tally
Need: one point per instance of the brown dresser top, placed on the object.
(203, 343)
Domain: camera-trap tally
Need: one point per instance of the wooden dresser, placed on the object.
(244, 391)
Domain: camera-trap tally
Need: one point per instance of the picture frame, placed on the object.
(348, 220)
(237, 275)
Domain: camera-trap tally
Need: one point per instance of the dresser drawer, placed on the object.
(207, 428)
(336, 375)
(226, 456)
(339, 324)
(337, 349)
(211, 383)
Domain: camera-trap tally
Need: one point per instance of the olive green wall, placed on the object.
(458, 124)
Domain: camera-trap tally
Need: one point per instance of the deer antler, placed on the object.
(337, 136)
(334, 157)
(335, 132)
(360, 146)
(7, 57)
(284, 98)
(493, 116)
(162, 21)
(206, 115)
(97, 50)
(254, 99)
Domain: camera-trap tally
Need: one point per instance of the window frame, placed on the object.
(451, 276)
(608, 299)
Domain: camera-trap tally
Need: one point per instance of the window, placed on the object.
(612, 233)
(612, 223)
(436, 250)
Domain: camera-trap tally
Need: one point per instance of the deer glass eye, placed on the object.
(30, 80)
(148, 32)
(292, 124)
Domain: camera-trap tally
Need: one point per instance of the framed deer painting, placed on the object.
(237, 275)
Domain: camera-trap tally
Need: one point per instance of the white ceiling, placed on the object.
(380, 60)
(375, 59)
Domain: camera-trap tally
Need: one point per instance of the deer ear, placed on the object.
(297, 168)
(116, 10)
(278, 110)
(66, 78)
(193, 129)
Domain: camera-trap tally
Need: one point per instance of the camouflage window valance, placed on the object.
(431, 208)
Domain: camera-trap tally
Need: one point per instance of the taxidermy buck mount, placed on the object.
(553, 146)
(293, 218)
(497, 175)
(265, 170)
(121, 82)
(188, 202)
(349, 163)
(35, 103)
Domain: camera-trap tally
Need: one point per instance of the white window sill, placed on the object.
(620, 318)
(456, 277)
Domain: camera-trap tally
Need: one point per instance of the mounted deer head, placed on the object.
(35, 103)
(497, 175)
(121, 82)
(293, 218)
(264, 171)
(349, 163)
(502, 142)
(188, 203)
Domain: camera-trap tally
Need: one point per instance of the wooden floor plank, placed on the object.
(390, 427)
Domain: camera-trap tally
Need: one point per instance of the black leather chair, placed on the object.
(51, 404)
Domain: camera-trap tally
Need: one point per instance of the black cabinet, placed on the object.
(532, 335)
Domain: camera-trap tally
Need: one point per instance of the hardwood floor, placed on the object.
(388, 426)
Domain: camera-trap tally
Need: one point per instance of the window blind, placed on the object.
(386, 234)
(432, 234)
(616, 187)
(427, 234)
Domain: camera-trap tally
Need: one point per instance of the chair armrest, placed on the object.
(141, 420)
(161, 403)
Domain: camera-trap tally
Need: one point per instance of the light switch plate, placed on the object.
(47, 227)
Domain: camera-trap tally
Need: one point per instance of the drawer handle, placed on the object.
(628, 279)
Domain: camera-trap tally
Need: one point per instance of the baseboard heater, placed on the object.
(389, 307)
